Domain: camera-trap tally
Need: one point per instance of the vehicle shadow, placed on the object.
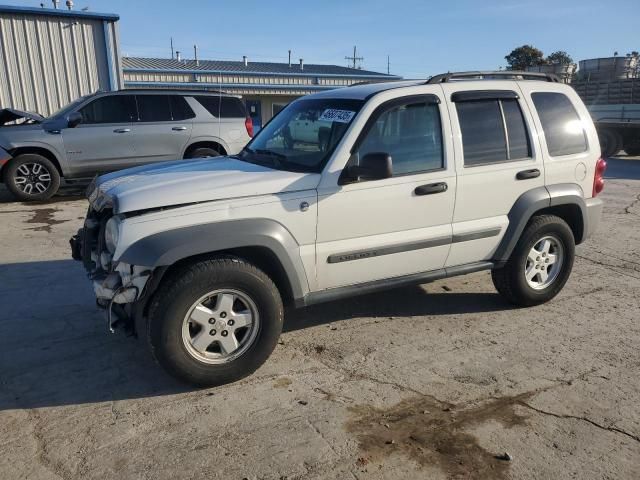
(400, 302)
(64, 195)
(55, 349)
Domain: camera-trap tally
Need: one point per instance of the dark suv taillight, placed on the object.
(248, 123)
(598, 177)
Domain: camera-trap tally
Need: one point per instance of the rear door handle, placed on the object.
(179, 129)
(122, 130)
(527, 174)
(431, 188)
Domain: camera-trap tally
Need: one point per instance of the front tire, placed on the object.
(539, 265)
(215, 321)
(32, 177)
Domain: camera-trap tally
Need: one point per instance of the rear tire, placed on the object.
(610, 142)
(632, 148)
(203, 152)
(31, 177)
(190, 327)
(533, 274)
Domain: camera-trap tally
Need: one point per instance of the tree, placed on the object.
(559, 58)
(525, 56)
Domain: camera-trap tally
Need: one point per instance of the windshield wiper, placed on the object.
(271, 153)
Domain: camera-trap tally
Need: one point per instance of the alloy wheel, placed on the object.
(220, 326)
(32, 178)
(544, 262)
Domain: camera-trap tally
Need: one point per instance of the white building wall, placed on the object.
(47, 61)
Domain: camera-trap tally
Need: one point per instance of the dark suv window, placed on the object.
(153, 108)
(561, 124)
(223, 107)
(492, 131)
(411, 134)
(110, 109)
(163, 108)
(180, 109)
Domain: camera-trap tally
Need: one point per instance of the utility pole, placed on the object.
(355, 58)
(388, 65)
(171, 48)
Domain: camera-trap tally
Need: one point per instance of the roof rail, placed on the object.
(493, 75)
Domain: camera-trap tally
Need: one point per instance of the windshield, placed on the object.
(303, 135)
(69, 106)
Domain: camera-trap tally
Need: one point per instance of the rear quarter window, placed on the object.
(223, 107)
(561, 124)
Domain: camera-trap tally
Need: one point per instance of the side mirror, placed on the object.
(74, 119)
(373, 166)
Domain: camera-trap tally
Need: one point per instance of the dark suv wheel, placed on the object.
(31, 177)
(215, 321)
(540, 264)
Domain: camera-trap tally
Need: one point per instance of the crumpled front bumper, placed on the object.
(122, 283)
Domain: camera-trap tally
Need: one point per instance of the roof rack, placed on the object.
(494, 75)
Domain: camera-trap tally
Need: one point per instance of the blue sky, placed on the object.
(421, 37)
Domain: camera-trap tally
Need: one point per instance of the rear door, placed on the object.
(103, 141)
(498, 158)
(163, 128)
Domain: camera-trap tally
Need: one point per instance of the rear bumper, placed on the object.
(594, 214)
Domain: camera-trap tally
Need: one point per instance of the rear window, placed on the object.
(562, 126)
(223, 107)
(493, 131)
(180, 109)
(153, 108)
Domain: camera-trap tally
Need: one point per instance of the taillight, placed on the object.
(598, 178)
(249, 126)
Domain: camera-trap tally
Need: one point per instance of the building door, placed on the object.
(255, 112)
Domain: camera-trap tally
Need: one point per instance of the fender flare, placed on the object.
(533, 201)
(167, 248)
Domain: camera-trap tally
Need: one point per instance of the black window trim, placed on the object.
(426, 98)
(499, 99)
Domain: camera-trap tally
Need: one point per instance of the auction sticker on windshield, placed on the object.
(333, 115)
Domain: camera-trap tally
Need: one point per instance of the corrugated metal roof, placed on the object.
(227, 66)
(55, 12)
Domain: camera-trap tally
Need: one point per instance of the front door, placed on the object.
(103, 141)
(371, 230)
(498, 158)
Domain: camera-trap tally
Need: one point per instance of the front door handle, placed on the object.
(527, 174)
(179, 129)
(431, 188)
(122, 130)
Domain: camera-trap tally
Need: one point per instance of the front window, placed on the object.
(303, 135)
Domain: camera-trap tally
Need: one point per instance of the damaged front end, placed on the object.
(118, 286)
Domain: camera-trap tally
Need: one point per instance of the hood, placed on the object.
(191, 181)
(10, 115)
